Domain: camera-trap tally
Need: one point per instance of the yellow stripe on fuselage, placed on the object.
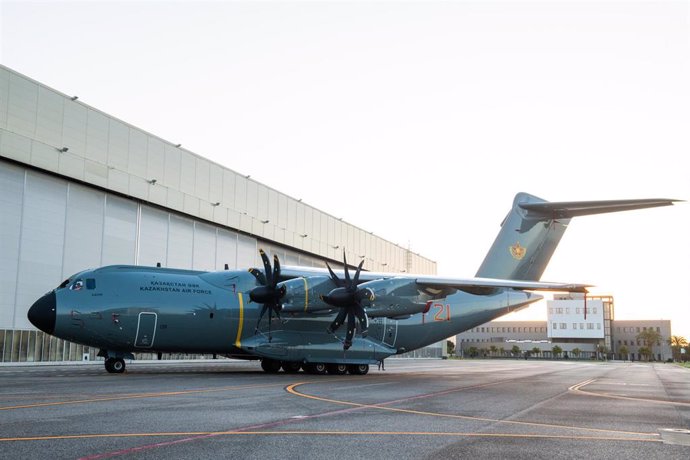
(240, 321)
(306, 294)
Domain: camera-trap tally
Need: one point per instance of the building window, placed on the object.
(554, 326)
(658, 329)
(582, 325)
(564, 326)
(574, 325)
(638, 329)
(567, 310)
(590, 325)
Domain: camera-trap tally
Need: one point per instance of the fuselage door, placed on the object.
(390, 331)
(146, 330)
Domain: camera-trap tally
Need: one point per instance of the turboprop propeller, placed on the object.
(349, 299)
(268, 293)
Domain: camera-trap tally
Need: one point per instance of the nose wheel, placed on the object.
(115, 365)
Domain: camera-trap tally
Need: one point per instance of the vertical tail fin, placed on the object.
(533, 228)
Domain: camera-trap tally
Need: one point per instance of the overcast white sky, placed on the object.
(418, 121)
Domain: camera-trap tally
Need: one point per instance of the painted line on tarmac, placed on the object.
(383, 406)
(201, 434)
(577, 388)
(139, 396)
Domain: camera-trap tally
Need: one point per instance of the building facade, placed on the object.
(81, 189)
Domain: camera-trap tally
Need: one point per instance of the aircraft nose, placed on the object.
(42, 313)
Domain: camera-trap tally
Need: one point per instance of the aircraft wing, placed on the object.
(463, 284)
(472, 284)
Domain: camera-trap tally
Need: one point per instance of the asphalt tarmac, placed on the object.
(414, 409)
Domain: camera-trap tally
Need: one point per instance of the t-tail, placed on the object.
(533, 228)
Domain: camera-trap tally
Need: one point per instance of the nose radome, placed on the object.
(42, 313)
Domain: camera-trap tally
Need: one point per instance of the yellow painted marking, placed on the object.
(577, 388)
(327, 433)
(139, 396)
(306, 294)
(238, 342)
(291, 389)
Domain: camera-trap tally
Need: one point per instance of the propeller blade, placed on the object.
(359, 269)
(337, 321)
(261, 315)
(350, 331)
(267, 267)
(348, 282)
(258, 275)
(363, 319)
(338, 282)
(276, 270)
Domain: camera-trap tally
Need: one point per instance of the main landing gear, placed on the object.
(273, 366)
(115, 365)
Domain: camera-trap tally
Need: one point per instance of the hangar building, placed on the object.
(81, 189)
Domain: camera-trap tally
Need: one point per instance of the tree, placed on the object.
(502, 350)
(493, 350)
(646, 352)
(576, 352)
(650, 337)
(623, 351)
(556, 350)
(450, 347)
(677, 342)
(536, 350)
(515, 350)
(472, 352)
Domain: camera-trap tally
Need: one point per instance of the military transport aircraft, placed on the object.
(291, 317)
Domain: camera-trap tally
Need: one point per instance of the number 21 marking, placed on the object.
(440, 316)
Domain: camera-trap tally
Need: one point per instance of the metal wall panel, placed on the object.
(202, 178)
(49, 117)
(187, 173)
(11, 202)
(252, 198)
(22, 105)
(42, 240)
(215, 193)
(246, 251)
(118, 145)
(119, 231)
(180, 242)
(138, 153)
(155, 162)
(4, 96)
(172, 168)
(153, 237)
(74, 128)
(204, 257)
(226, 249)
(97, 127)
(240, 194)
(83, 229)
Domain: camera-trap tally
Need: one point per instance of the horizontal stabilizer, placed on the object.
(567, 209)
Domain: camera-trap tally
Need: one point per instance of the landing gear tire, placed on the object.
(115, 365)
(315, 368)
(337, 369)
(358, 369)
(291, 367)
(270, 365)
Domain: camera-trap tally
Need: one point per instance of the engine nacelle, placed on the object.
(394, 298)
(303, 295)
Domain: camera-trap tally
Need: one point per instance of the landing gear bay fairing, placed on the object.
(294, 318)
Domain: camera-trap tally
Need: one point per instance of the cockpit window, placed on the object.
(78, 285)
(63, 284)
(90, 283)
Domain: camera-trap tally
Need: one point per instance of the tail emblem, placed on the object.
(517, 251)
